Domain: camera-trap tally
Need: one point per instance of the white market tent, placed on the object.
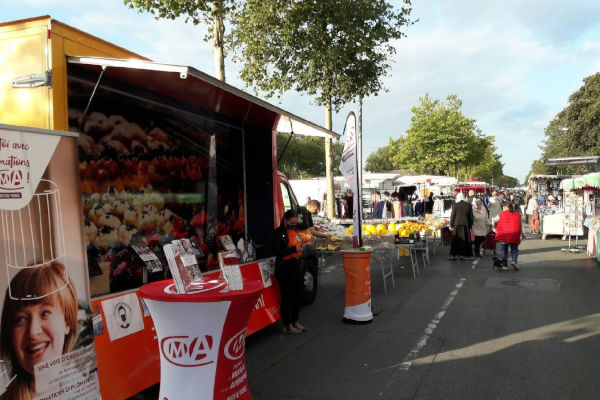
(383, 181)
(412, 180)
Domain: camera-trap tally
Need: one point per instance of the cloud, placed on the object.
(513, 63)
(555, 21)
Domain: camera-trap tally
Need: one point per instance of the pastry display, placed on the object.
(90, 230)
(109, 220)
(106, 236)
(126, 232)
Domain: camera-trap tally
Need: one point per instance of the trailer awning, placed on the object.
(204, 91)
(566, 161)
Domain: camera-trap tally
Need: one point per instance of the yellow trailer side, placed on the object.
(34, 52)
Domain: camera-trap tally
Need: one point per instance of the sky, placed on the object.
(513, 63)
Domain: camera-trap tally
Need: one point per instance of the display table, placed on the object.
(201, 338)
(552, 224)
(357, 268)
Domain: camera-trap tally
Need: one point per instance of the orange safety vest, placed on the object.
(293, 239)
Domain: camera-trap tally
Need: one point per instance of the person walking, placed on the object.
(494, 205)
(470, 198)
(509, 233)
(486, 200)
(481, 225)
(532, 215)
(461, 221)
(287, 246)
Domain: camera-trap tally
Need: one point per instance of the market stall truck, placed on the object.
(165, 152)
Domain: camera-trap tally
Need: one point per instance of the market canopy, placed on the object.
(585, 182)
(202, 90)
(566, 161)
(412, 180)
(533, 177)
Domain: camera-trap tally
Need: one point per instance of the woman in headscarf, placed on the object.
(461, 221)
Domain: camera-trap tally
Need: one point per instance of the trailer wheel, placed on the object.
(310, 278)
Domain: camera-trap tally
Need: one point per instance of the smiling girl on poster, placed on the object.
(38, 329)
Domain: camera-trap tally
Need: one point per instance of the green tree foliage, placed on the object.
(212, 13)
(574, 131)
(489, 169)
(441, 139)
(381, 160)
(305, 155)
(582, 119)
(333, 50)
(506, 181)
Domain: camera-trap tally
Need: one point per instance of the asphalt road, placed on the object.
(457, 331)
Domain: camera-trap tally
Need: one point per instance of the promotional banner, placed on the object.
(46, 337)
(349, 168)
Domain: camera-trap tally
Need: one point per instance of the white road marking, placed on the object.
(331, 268)
(475, 262)
(414, 352)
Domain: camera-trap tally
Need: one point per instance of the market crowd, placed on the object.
(480, 222)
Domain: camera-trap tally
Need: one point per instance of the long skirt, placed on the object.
(461, 242)
(534, 222)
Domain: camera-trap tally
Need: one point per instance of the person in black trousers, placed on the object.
(461, 222)
(287, 245)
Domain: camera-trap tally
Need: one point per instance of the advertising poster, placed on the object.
(46, 336)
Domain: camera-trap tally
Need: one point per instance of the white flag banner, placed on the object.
(348, 164)
(349, 168)
(123, 316)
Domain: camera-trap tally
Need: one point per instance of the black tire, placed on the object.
(310, 280)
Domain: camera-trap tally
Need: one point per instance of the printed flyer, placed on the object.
(46, 336)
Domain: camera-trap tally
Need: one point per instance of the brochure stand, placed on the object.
(573, 221)
(201, 338)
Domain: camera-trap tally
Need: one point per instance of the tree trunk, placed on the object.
(218, 42)
(328, 164)
(456, 171)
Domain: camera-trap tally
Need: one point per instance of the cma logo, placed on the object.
(185, 351)
(234, 348)
(12, 180)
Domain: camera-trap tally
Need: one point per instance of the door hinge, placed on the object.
(34, 80)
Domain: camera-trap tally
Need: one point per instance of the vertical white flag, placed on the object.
(349, 168)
